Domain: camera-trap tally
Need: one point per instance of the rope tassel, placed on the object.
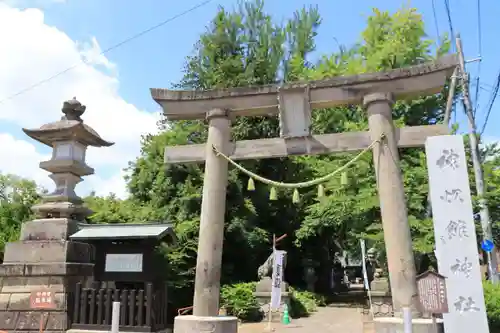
(273, 195)
(344, 180)
(251, 184)
(321, 191)
(296, 196)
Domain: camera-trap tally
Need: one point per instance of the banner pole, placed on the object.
(270, 313)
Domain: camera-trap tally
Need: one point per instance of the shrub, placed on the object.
(304, 303)
(492, 301)
(239, 301)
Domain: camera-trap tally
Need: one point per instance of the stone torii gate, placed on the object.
(293, 103)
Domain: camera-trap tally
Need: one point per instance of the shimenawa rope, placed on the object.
(295, 186)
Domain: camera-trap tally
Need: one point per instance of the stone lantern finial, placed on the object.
(69, 138)
(73, 109)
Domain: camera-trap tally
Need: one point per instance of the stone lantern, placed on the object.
(69, 138)
(45, 258)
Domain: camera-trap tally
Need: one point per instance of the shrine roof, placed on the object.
(124, 231)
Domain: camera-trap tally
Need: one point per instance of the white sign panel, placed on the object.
(454, 229)
(277, 279)
(121, 262)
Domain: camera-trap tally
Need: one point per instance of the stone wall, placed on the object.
(17, 283)
(37, 263)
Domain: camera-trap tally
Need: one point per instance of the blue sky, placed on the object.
(156, 59)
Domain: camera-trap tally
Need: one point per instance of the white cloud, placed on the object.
(31, 3)
(20, 157)
(33, 51)
(91, 54)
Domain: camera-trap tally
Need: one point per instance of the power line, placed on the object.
(450, 22)
(479, 34)
(436, 25)
(493, 96)
(479, 45)
(129, 39)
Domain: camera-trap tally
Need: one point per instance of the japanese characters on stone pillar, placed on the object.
(456, 242)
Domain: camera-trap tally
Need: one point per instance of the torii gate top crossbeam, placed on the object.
(427, 78)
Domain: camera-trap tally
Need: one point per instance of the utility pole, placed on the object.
(478, 171)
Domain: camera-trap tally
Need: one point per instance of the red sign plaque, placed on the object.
(42, 299)
(432, 293)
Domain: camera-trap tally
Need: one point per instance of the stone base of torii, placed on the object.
(294, 103)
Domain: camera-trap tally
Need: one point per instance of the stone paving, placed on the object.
(325, 320)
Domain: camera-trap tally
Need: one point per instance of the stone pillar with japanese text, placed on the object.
(454, 228)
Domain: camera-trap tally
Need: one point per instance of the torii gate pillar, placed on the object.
(213, 208)
(393, 209)
(211, 237)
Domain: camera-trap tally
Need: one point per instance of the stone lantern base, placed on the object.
(263, 295)
(40, 260)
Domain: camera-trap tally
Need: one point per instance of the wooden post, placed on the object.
(41, 322)
(397, 237)
(213, 207)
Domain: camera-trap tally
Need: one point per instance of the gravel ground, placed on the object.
(325, 320)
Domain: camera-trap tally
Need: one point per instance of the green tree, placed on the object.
(17, 196)
(240, 48)
(245, 47)
(352, 211)
(490, 161)
(111, 209)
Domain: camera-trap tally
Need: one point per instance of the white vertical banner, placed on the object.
(277, 278)
(455, 234)
(363, 262)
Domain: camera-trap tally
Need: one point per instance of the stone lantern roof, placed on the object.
(70, 127)
(69, 138)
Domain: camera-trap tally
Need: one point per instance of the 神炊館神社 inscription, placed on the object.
(457, 253)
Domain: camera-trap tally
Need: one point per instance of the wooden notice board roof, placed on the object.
(124, 231)
(426, 273)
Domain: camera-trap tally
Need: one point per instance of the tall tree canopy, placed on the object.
(245, 47)
(240, 48)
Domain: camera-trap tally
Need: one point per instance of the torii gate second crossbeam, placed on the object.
(294, 102)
